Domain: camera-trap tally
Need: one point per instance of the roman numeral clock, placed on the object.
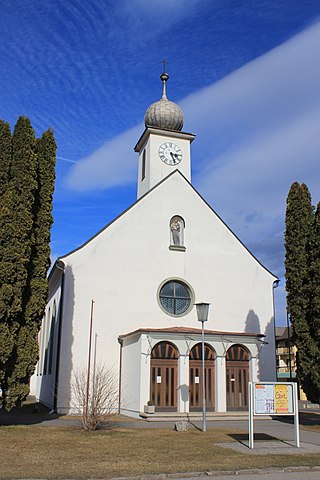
(170, 153)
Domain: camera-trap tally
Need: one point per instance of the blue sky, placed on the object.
(246, 74)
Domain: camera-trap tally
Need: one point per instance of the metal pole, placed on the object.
(94, 364)
(204, 420)
(289, 347)
(89, 362)
(251, 406)
(120, 377)
(296, 415)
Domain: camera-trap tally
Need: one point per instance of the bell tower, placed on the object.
(162, 147)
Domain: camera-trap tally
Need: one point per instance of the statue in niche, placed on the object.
(176, 227)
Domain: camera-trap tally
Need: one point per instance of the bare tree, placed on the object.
(95, 396)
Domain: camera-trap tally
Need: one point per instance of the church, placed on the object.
(132, 289)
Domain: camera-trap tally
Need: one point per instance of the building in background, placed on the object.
(286, 353)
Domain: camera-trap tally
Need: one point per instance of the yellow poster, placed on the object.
(281, 398)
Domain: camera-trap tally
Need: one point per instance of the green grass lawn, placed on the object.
(69, 452)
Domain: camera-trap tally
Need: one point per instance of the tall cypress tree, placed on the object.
(19, 239)
(31, 187)
(309, 365)
(40, 258)
(299, 221)
(6, 291)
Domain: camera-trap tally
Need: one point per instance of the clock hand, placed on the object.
(173, 156)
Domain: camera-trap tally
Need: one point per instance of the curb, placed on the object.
(212, 473)
(215, 473)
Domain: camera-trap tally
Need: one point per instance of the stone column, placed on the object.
(220, 384)
(254, 374)
(183, 383)
(144, 377)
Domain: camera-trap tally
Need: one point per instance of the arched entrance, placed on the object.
(164, 375)
(237, 377)
(195, 377)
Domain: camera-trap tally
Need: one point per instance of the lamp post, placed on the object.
(289, 346)
(202, 312)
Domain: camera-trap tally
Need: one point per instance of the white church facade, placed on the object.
(145, 271)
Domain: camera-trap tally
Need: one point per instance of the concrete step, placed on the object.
(195, 416)
(305, 404)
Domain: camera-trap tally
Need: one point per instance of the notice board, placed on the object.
(273, 399)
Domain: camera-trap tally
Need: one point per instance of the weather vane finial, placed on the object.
(164, 77)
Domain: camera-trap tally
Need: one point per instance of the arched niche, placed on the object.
(177, 228)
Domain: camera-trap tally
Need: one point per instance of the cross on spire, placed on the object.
(164, 61)
(164, 77)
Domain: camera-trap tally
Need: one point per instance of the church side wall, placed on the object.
(67, 368)
(45, 372)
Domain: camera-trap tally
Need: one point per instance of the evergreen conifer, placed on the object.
(25, 237)
(299, 225)
(6, 340)
(309, 364)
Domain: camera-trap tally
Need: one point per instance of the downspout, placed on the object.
(60, 266)
(275, 285)
(120, 375)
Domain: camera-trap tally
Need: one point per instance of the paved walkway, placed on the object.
(272, 429)
(274, 447)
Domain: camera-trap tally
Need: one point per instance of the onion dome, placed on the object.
(164, 114)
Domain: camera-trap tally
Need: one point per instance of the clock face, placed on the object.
(170, 153)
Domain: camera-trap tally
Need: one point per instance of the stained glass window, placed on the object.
(175, 297)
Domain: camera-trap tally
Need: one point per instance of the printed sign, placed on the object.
(158, 379)
(264, 396)
(282, 398)
(196, 380)
(273, 399)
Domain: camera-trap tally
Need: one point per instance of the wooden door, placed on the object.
(164, 377)
(237, 378)
(195, 377)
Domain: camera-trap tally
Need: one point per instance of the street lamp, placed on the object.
(202, 312)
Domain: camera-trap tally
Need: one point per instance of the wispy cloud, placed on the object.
(109, 166)
(256, 128)
(262, 136)
(75, 64)
(66, 159)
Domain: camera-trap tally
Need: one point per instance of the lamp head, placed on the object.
(202, 311)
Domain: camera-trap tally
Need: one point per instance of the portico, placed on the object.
(170, 366)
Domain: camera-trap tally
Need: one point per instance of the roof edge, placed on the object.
(119, 216)
(58, 265)
(176, 171)
(159, 131)
(188, 331)
(276, 278)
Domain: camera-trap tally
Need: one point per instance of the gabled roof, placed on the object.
(175, 172)
(282, 333)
